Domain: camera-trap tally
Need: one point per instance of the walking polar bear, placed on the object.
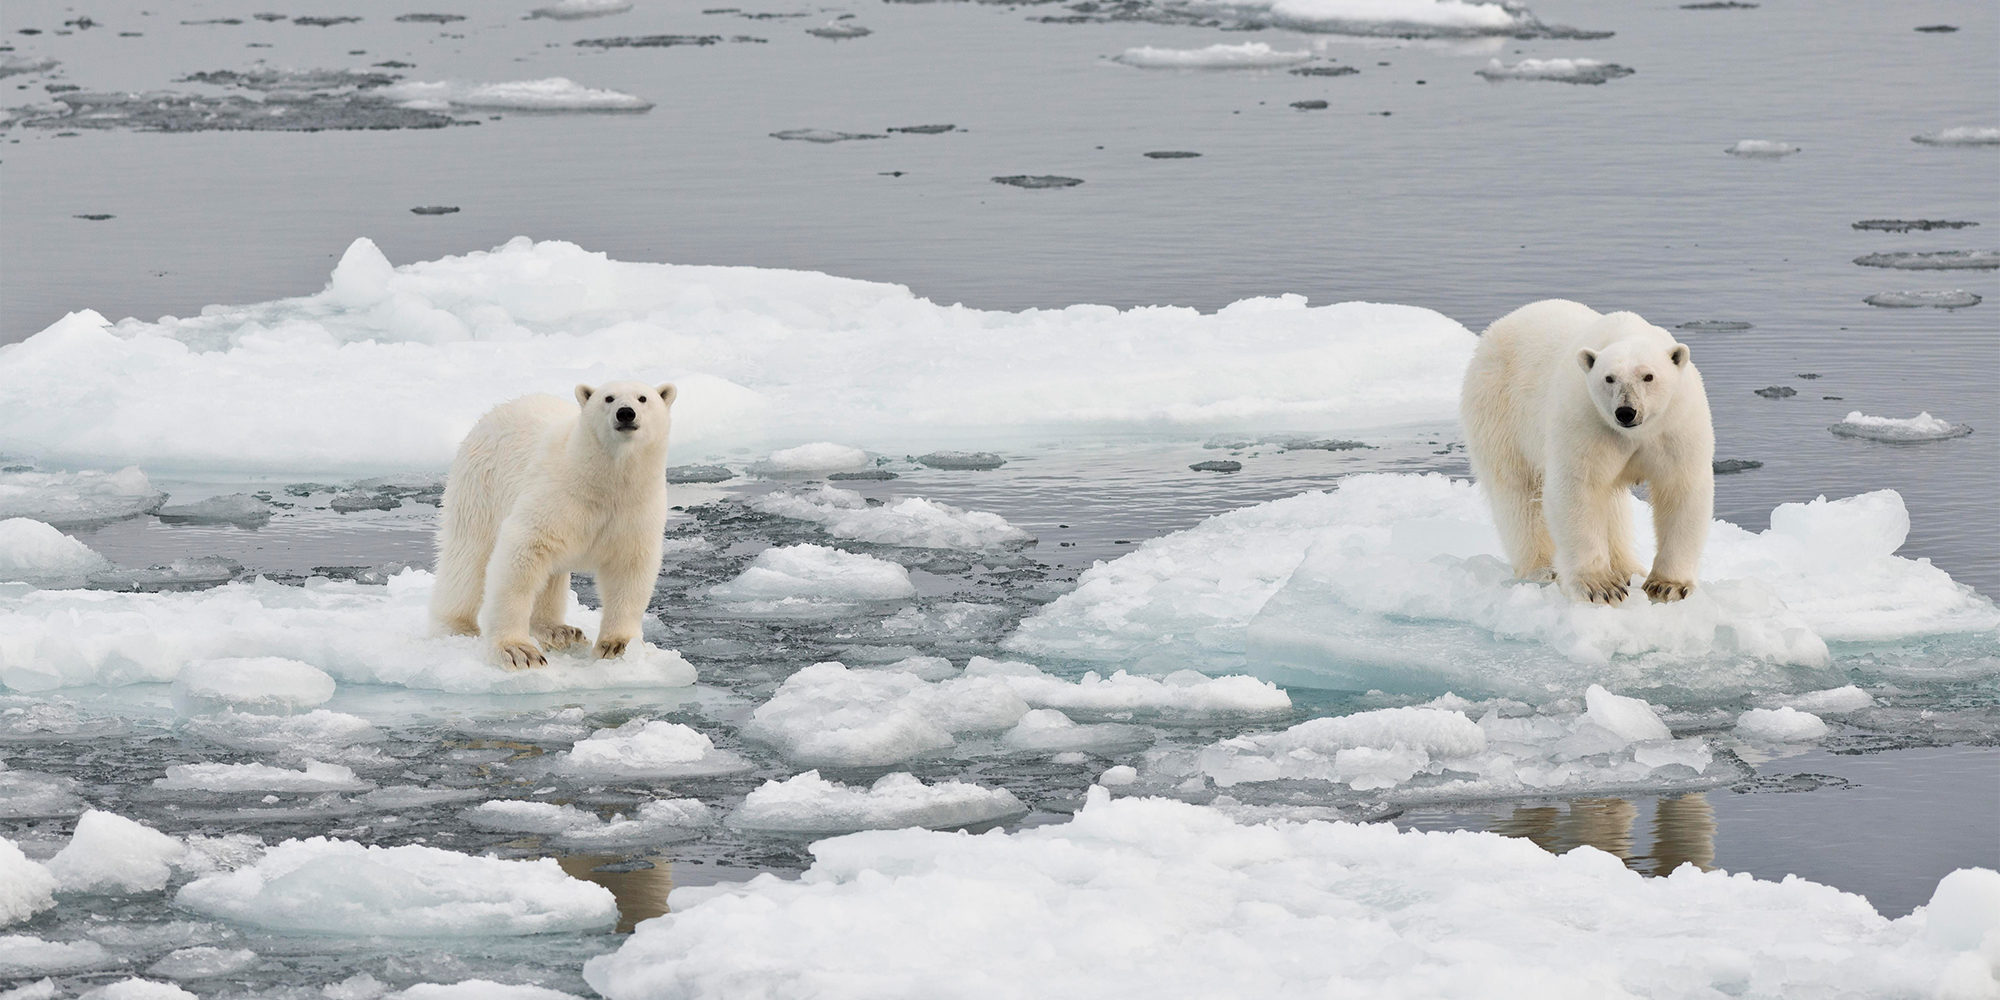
(542, 488)
(1565, 409)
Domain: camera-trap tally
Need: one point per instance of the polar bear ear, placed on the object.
(583, 394)
(1587, 358)
(1679, 355)
(667, 393)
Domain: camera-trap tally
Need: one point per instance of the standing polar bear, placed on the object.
(541, 488)
(1565, 409)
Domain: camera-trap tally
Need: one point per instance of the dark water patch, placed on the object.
(699, 474)
(1217, 465)
(1908, 225)
(1776, 392)
(1937, 29)
(648, 41)
(94, 216)
(1038, 181)
(839, 31)
(311, 21)
(822, 135)
(1938, 260)
(216, 20)
(434, 210)
(430, 18)
(1713, 326)
(1309, 105)
(924, 129)
(270, 16)
(1171, 154)
(1719, 5)
(1323, 71)
(395, 64)
(1731, 466)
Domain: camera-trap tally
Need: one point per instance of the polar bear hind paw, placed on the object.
(558, 636)
(1602, 587)
(611, 647)
(517, 654)
(1663, 591)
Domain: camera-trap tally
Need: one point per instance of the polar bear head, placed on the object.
(1633, 378)
(626, 414)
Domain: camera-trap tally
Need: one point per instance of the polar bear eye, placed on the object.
(1649, 378)
(643, 399)
(611, 399)
(1608, 378)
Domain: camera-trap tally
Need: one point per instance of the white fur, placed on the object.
(543, 487)
(1546, 443)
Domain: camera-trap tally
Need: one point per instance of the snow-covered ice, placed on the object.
(355, 633)
(37, 553)
(659, 821)
(1933, 260)
(1950, 298)
(1445, 18)
(827, 715)
(908, 521)
(26, 888)
(554, 93)
(1780, 725)
(112, 854)
(411, 357)
(319, 731)
(315, 776)
(480, 989)
(574, 10)
(269, 685)
(202, 962)
(1590, 71)
(24, 955)
(1960, 135)
(1046, 730)
(1761, 149)
(1396, 582)
(137, 989)
(1148, 897)
(648, 748)
(807, 804)
(521, 816)
(812, 579)
(323, 886)
(70, 498)
(242, 509)
(1832, 701)
(1922, 427)
(1184, 696)
(817, 458)
(1247, 55)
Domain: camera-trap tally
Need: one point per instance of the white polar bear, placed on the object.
(540, 488)
(1565, 409)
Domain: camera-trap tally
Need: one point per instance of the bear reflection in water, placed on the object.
(1683, 830)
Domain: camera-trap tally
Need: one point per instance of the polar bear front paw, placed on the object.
(611, 647)
(1663, 590)
(519, 654)
(1601, 587)
(558, 636)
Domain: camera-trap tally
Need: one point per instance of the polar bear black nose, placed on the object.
(625, 414)
(1623, 413)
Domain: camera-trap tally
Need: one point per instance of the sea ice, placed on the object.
(812, 459)
(1047, 730)
(1395, 18)
(64, 499)
(112, 854)
(1248, 55)
(910, 521)
(269, 685)
(521, 816)
(1395, 582)
(807, 804)
(1922, 427)
(1952, 298)
(659, 821)
(11, 64)
(1780, 725)
(316, 776)
(807, 578)
(554, 93)
(575, 10)
(480, 989)
(26, 888)
(31, 795)
(411, 356)
(1962, 135)
(137, 989)
(1833, 701)
(23, 956)
(318, 731)
(645, 748)
(1934, 260)
(1148, 897)
(37, 553)
(241, 509)
(830, 716)
(1761, 149)
(202, 962)
(1184, 696)
(1558, 70)
(355, 633)
(822, 135)
(322, 886)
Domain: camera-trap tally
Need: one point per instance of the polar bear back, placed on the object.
(1520, 372)
(508, 453)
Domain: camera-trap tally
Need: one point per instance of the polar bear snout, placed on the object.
(1627, 416)
(628, 419)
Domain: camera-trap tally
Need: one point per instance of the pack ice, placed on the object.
(409, 357)
(1396, 583)
(64, 499)
(1248, 55)
(229, 636)
(1141, 898)
(907, 521)
(807, 804)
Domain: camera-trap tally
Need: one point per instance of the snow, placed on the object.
(68, 498)
(355, 633)
(1184, 696)
(26, 888)
(410, 357)
(809, 579)
(137, 989)
(1047, 730)
(809, 804)
(322, 886)
(1248, 55)
(912, 522)
(1779, 725)
(33, 552)
(827, 715)
(572, 10)
(1144, 898)
(1922, 427)
(43, 988)
(269, 685)
(1589, 71)
(645, 748)
(111, 854)
(480, 989)
(1396, 583)
(1765, 149)
(810, 459)
(314, 777)
(554, 93)
(1392, 17)
(1961, 135)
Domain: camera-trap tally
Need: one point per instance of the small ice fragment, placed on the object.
(146, 989)
(1585, 71)
(1170, 154)
(1713, 326)
(553, 93)
(1217, 466)
(1038, 181)
(822, 135)
(809, 459)
(924, 129)
(522, 816)
(681, 474)
(838, 30)
(1776, 392)
(1248, 55)
(270, 685)
(434, 210)
(241, 509)
(1940, 260)
(1953, 298)
(315, 777)
(908, 521)
(576, 10)
(112, 854)
(1118, 776)
(1922, 427)
(660, 821)
(11, 64)
(479, 989)
(1730, 466)
(1908, 225)
(1963, 135)
(1780, 725)
(356, 500)
(1630, 718)
(811, 805)
(828, 715)
(202, 962)
(1761, 149)
(1047, 729)
(1313, 105)
(957, 460)
(26, 888)
(644, 748)
(807, 574)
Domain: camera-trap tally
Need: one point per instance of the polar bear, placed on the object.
(541, 488)
(1565, 409)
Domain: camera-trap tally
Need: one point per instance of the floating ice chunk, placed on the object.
(30, 794)
(838, 30)
(645, 748)
(1955, 298)
(24, 955)
(1118, 776)
(137, 989)
(64, 499)
(1761, 149)
(417, 796)
(520, 816)
(1396, 18)
(41, 989)
(884, 914)
(811, 459)
(480, 989)
(1962, 135)
(314, 777)
(37, 553)
(1922, 427)
(660, 821)
(1589, 71)
(202, 962)
(576, 10)
(911, 521)
(554, 93)
(192, 573)
(112, 854)
(1833, 701)
(318, 731)
(822, 135)
(827, 715)
(322, 886)
(1248, 55)
(793, 578)
(26, 888)
(1182, 696)
(268, 685)
(808, 804)
(1630, 719)
(11, 64)
(355, 633)
(220, 854)
(1046, 729)
(962, 461)
(1780, 725)
(1937, 260)
(240, 509)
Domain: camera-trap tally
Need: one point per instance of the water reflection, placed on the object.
(641, 892)
(1683, 830)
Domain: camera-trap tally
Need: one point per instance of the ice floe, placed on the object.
(828, 715)
(807, 804)
(907, 521)
(520, 816)
(1761, 149)
(1933, 260)
(410, 357)
(554, 93)
(64, 499)
(817, 458)
(811, 579)
(319, 731)
(1398, 18)
(352, 632)
(37, 553)
(241, 509)
(24, 955)
(1588, 71)
(111, 854)
(1780, 725)
(576, 10)
(644, 748)
(202, 962)
(322, 886)
(1961, 135)
(1185, 696)
(1950, 298)
(315, 776)
(32, 795)
(1922, 427)
(26, 888)
(1247, 55)
(1148, 897)
(654, 822)
(1396, 582)
(137, 989)
(1049, 731)
(480, 989)
(269, 685)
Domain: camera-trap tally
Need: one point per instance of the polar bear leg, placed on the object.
(515, 576)
(1683, 506)
(545, 621)
(1517, 513)
(1580, 519)
(461, 577)
(626, 587)
(1618, 534)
